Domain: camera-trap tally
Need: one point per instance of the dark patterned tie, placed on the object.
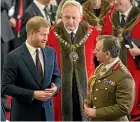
(72, 36)
(122, 20)
(47, 14)
(39, 66)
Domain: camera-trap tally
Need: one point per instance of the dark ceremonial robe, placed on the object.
(132, 26)
(83, 67)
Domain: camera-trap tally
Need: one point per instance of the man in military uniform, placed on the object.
(113, 87)
(126, 20)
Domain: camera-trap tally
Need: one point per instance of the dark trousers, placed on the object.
(75, 99)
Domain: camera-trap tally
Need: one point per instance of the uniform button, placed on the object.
(95, 98)
(94, 107)
(105, 88)
(97, 89)
(99, 81)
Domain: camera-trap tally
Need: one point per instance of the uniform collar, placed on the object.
(108, 66)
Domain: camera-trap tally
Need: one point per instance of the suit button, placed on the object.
(106, 89)
(94, 107)
(95, 98)
(97, 89)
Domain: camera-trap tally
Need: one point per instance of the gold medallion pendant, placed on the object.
(74, 56)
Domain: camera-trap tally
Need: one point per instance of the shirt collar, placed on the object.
(108, 66)
(31, 49)
(39, 5)
(72, 31)
(127, 12)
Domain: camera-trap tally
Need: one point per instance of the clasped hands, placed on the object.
(44, 95)
(89, 112)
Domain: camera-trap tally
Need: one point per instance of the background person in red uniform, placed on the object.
(97, 12)
(126, 20)
(74, 42)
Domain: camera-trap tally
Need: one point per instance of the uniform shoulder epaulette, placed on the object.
(116, 66)
(124, 69)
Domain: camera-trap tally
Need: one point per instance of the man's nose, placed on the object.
(46, 37)
(71, 20)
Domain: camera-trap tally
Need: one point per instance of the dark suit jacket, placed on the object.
(20, 79)
(6, 30)
(30, 12)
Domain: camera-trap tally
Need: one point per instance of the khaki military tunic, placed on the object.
(112, 94)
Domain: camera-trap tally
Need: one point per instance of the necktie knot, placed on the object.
(72, 36)
(46, 13)
(122, 20)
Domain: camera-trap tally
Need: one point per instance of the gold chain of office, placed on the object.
(73, 55)
(72, 45)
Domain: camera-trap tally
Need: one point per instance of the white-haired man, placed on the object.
(74, 42)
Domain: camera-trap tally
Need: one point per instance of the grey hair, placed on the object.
(75, 3)
(111, 44)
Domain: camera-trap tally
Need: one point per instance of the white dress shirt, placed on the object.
(69, 32)
(41, 8)
(125, 14)
(32, 51)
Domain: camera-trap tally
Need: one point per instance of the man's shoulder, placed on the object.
(121, 69)
(31, 9)
(16, 53)
(48, 48)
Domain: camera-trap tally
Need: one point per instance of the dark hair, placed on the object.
(111, 44)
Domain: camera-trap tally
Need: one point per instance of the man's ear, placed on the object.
(32, 32)
(108, 54)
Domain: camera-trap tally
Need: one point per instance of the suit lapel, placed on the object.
(29, 62)
(36, 10)
(46, 66)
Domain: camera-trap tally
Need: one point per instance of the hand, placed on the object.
(51, 90)
(85, 104)
(90, 112)
(12, 22)
(135, 51)
(41, 95)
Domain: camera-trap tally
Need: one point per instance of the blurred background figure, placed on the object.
(15, 14)
(6, 36)
(37, 8)
(97, 13)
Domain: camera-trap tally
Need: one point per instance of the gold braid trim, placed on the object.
(93, 78)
